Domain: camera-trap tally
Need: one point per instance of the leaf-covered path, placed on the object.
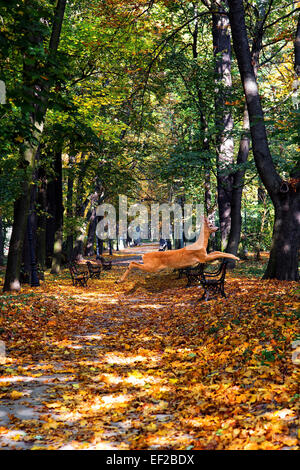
(144, 366)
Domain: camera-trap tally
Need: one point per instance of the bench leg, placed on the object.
(205, 295)
(223, 291)
(206, 298)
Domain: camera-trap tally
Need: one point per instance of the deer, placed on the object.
(189, 256)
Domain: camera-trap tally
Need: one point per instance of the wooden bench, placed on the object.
(78, 277)
(212, 282)
(192, 274)
(106, 265)
(94, 270)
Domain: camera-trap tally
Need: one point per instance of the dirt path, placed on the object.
(145, 366)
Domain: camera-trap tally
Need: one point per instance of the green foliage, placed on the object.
(132, 97)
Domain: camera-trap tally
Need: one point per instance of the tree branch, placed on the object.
(281, 18)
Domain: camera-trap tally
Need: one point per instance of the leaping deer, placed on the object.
(184, 257)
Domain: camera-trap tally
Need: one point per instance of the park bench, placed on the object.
(94, 270)
(193, 274)
(106, 265)
(212, 282)
(78, 277)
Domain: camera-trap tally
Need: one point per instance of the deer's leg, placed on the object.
(219, 254)
(142, 267)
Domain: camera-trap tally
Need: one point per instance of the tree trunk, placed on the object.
(14, 259)
(297, 50)
(297, 76)
(204, 130)
(37, 93)
(224, 121)
(57, 251)
(207, 192)
(237, 191)
(99, 245)
(80, 208)
(31, 235)
(283, 263)
(41, 208)
(284, 256)
(89, 251)
(50, 220)
(70, 237)
(59, 211)
(238, 177)
(25, 264)
(2, 241)
(28, 267)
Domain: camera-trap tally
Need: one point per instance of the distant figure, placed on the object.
(163, 245)
(138, 241)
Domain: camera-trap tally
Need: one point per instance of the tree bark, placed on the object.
(99, 244)
(224, 121)
(59, 210)
(89, 251)
(14, 259)
(41, 208)
(297, 74)
(244, 147)
(51, 215)
(237, 191)
(29, 267)
(31, 235)
(261, 152)
(70, 236)
(284, 255)
(297, 50)
(80, 207)
(207, 192)
(283, 264)
(205, 144)
(262, 200)
(92, 217)
(2, 241)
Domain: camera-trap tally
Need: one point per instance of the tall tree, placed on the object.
(283, 261)
(2, 240)
(41, 208)
(224, 119)
(59, 210)
(237, 189)
(37, 89)
(244, 146)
